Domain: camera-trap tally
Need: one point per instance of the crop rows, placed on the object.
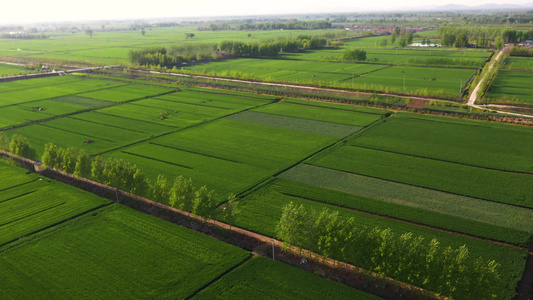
(460, 179)
(468, 215)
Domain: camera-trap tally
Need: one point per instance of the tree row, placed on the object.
(405, 257)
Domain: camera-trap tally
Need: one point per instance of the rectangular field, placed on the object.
(114, 253)
(511, 87)
(29, 203)
(503, 147)
(261, 277)
(261, 211)
(468, 215)
(304, 125)
(325, 114)
(443, 176)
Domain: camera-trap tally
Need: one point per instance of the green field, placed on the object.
(114, 253)
(226, 155)
(518, 63)
(262, 210)
(511, 87)
(324, 114)
(427, 56)
(261, 278)
(12, 70)
(501, 147)
(445, 82)
(458, 213)
(504, 187)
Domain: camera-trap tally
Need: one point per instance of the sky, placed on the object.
(60, 10)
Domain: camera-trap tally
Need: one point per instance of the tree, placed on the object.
(50, 155)
(4, 140)
(499, 43)
(353, 55)
(83, 164)
(461, 41)
(231, 210)
(97, 168)
(204, 203)
(20, 146)
(189, 35)
(448, 39)
(140, 184)
(402, 42)
(68, 157)
(89, 32)
(182, 194)
(160, 189)
(143, 32)
(249, 35)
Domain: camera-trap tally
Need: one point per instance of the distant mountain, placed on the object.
(488, 6)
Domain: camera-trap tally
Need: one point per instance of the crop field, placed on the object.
(519, 63)
(126, 93)
(293, 71)
(325, 114)
(124, 254)
(124, 123)
(261, 211)
(12, 70)
(111, 47)
(504, 187)
(261, 277)
(418, 80)
(501, 147)
(401, 56)
(458, 213)
(29, 203)
(369, 77)
(226, 155)
(511, 87)
(304, 125)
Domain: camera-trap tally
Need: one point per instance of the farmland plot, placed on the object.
(114, 253)
(261, 211)
(261, 277)
(465, 180)
(29, 203)
(511, 87)
(126, 93)
(326, 114)
(502, 147)
(468, 215)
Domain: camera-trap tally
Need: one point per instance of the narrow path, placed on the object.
(473, 97)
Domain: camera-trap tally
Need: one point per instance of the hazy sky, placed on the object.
(59, 10)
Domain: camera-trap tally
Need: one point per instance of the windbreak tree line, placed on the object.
(456, 36)
(407, 258)
(128, 177)
(175, 55)
(17, 145)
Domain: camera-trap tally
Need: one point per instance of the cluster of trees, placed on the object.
(272, 48)
(401, 36)
(128, 177)
(455, 36)
(353, 55)
(520, 51)
(405, 257)
(174, 55)
(17, 145)
(292, 25)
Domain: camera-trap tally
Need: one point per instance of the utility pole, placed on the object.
(404, 82)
